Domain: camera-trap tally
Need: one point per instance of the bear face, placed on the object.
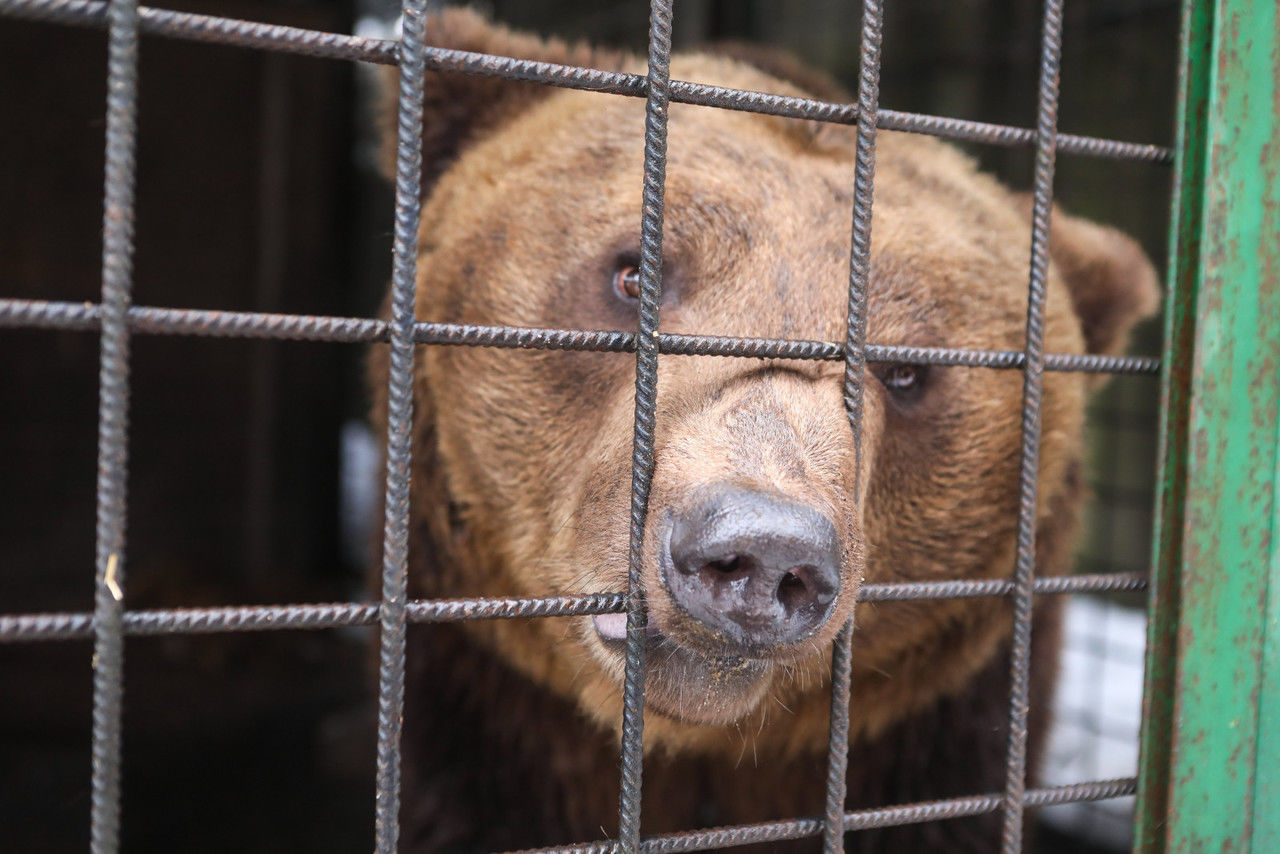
(755, 547)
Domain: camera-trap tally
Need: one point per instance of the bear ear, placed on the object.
(1112, 281)
(459, 108)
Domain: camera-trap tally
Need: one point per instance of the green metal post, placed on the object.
(1210, 771)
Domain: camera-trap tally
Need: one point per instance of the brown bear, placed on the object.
(754, 548)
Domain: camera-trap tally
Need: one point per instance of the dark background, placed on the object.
(255, 193)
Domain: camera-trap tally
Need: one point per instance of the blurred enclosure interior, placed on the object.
(256, 191)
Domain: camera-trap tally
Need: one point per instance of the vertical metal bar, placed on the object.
(657, 102)
(1214, 783)
(1175, 420)
(854, 368)
(113, 422)
(395, 542)
(1032, 391)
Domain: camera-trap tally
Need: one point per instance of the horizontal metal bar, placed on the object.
(209, 28)
(1012, 359)
(87, 317)
(775, 831)
(1009, 136)
(251, 34)
(76, 625)
(84, 316)
(962, 589)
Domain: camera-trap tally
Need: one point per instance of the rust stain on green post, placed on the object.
(1210, 771)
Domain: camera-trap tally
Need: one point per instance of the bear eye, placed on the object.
(626, 282)
(903, 381)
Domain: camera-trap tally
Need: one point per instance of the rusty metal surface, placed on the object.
(1211, 746)
(1165, 596)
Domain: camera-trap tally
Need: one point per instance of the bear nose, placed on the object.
(761, 570)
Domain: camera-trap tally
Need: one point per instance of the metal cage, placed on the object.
(1211, 739)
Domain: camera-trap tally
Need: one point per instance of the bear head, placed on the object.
(760, 529)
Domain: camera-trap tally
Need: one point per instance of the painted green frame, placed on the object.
(1209, 778)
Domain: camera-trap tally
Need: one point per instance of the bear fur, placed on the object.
(522, 459)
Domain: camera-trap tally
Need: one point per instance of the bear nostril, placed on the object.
(793, 592)
(727, 564)
(727, 568)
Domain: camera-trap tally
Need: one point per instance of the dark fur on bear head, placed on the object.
(522, 459)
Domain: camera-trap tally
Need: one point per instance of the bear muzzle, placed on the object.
(747, 580)
(759, 571)
(753, 548)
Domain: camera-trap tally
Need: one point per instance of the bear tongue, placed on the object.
(611, 626)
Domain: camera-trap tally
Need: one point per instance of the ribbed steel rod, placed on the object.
(392, 613)
(895, 816)
(855, 363)
(41, 314)
(657, 107)
(25, 628)
(113, 424)
(903, 591)
(108, 656)
(1032, 395)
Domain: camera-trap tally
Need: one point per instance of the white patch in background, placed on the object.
(1097, 710)
(377, 27)
(359, 486)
